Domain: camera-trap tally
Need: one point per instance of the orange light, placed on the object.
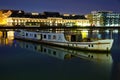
(3, 17)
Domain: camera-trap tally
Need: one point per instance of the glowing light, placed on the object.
(115, 31)
(10, 35)
(3, 17)
(107, 31)
(0, 34)
(82, 23)
(97, 31)
(78, 24)
(84, 34)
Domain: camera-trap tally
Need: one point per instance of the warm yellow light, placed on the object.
(84, 34)
(10, 34)
(78, 24)
(3, 17)
(82, 23)
(6, 41)
(0, 34)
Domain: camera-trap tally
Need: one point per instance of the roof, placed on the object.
(21, 13)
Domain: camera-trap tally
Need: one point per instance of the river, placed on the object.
(20, 60)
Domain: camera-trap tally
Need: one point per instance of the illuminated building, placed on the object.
(97, 18)
(112, 19)
(4, 16)
(104, 18)
(19, 17)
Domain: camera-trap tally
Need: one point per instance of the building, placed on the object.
(19, 17)
(104, 18)
(112, 19)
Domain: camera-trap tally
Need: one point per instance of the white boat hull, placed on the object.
(100, 45)
(59, 40)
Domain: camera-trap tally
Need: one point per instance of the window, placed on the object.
(26, 34)
(59, 37)
(91, 45)
(35, 35)
(49, 36)
(54, 36)
(30, 34)
(44, 36)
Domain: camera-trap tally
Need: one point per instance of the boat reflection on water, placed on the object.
(52, 51)
(63, 53)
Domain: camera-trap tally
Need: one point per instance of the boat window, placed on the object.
(59, 37)
(30, 34)
(54, 36)
(35, 35)
(44, 36)
(92, 45)
(49, 36)
(26, 34)
(89, 45)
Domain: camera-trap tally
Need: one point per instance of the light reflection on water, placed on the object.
(25, 60)
(6, 38)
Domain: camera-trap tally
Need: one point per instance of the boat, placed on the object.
(58, 39)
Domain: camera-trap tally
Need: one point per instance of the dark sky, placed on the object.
(62, 6)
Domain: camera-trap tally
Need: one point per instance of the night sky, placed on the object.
(62, 6)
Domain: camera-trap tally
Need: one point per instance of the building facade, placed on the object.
(112, 19)
(104, 18)
(19, 17)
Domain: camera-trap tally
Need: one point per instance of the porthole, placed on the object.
(89, 45)
(92, 45)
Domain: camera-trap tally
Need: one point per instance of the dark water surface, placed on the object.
(20, 60)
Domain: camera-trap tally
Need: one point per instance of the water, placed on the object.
(21, 60)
